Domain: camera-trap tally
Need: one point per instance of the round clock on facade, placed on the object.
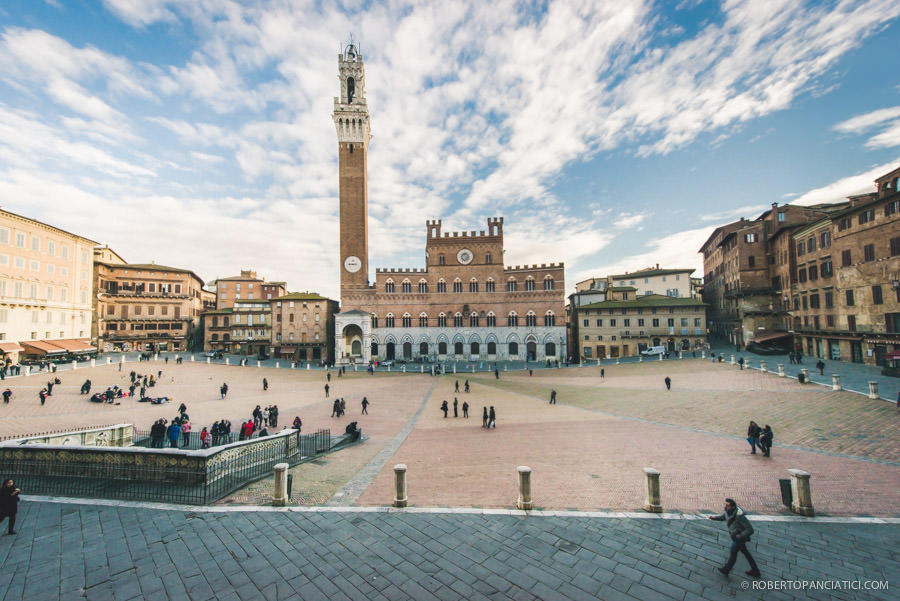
(464, 256)
(352, 264)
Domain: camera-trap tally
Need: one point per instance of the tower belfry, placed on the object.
(351, 120)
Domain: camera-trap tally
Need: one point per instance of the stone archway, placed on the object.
(353, 340)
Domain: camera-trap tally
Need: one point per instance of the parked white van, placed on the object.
(654, 350)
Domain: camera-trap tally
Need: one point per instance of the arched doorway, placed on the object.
(458, 348)
(476, 348)
(389, 350)
(353, 339)
(492, 348)
(442, 348)
(423, 349)
(550, 350)
(407, 350)
(374, 349)
(531, 349)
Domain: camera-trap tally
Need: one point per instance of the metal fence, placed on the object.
(157, 475)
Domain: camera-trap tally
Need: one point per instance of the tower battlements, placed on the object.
(495, 229)
(519, 268)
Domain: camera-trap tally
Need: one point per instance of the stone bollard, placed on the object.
(504, 367)
(307, 367)
(617, 360)
(703, 354)
(802, 503)
(192, 358)
(404, 369)
(524, 501)
(259, 364)
(762, 367)
(93, 362)
(454, 368)
(108, 360)
(747, 363)
(389, 369)
(473, 369)
(873, 390)
(661, 356)
(277, 364)
(207, 360)
(681, 354)
(805, 375)
(652, 504)
(279, 495)
(74, 365)
(732, 359)
(640, 358)
(400, 500)
(227, 361)
(421, 370)
(836, 382)
(27, 370)
(781, 370)
(156, 357)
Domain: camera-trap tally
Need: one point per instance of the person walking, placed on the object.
(327, 388)
(265, 384)
(465, 410)
(484, 417)
(9, 504)
(467, 386)
(553, 397)
(741, 363)
(753, 431)
(365, 405)
(492, 418)
(204, 438)
(820, 365)
(602, 373)
(496, 374)
(740, 530)
(668, 383)
(223, 390)
(336, 408)
(7, 394)
(445, 408)
(456, 387)
(765, 440)
(43, 396)
(455, 407)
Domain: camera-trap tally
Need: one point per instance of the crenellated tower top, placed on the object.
(351, 115)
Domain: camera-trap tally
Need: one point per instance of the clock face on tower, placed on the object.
(464, 256)
(352, 264)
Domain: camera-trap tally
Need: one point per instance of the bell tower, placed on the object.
(351, 119)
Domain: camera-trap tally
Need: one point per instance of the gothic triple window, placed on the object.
(406, 287)
(389, 320)
(489, 285)
(550, 318)
(473, 285)
(423, 320)
(458, 320)
(511, 285)
(491, 320)
(442, 286)
(407, 320)
(457, 285)
(529, 284)
(389, 286)
(512, 320)
(531, 318)
(548, 283)
(423, 287)
(442, 320)
(473, 320)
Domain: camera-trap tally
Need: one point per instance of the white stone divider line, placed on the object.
(537, 513)
(352, 490)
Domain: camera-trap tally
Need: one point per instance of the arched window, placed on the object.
(549, 319)
(476, 348)
(423, 320)
(531, 318)
(442, 320)
(423, 349)
(389, 286)
(492, 348)
(513, 349)
(214, 337)
(442, 348)
(423, 287)
(529, 284)
(548, 283)
(473, 320)
(457, 320)
(511, 285)
(512, 320)
(406, 287)
(442, 286)
(489, 285)
(407, 320)
(457, 285)
(389, 320)
(374, 321)
(491, 320)
(458, 348)
(473, 285)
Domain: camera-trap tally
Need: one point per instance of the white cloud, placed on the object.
(840, 189)
(861, 123)
(627, 220)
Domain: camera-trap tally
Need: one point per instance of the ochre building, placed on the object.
(465, 304)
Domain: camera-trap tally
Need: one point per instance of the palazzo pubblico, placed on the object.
(464, 305)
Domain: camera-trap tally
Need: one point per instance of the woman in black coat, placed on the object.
(9, 504)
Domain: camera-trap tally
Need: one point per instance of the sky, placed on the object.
(611, 136)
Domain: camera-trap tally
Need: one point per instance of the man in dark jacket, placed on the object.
(740, 530)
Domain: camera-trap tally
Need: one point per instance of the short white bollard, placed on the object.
(259, 364)
(473, 369)
(93, 362)
(640, 358)
(227, 361)
(781, 370)
(762, 367)
(307, 367)
(805, 375)
(74, 365)
(400, 498)
(207, 360)
(800, 490)
(279, 494)
(108, 360)
(661, 356)
(732, 359)
(681, 354)
(27, 370)
(156, 357)
(192, 358)
(703, 354)
(836, 382)
(617, 360)
(421, 370)
(404, 369)
(277, 364)
(873, 390)
(524, 501)
(504, 367)
(454, 368)
(389, 369)
(652, 504)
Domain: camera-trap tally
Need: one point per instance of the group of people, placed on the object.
(760, 438)
(465, 407)
(267, 416)
(338, 407)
